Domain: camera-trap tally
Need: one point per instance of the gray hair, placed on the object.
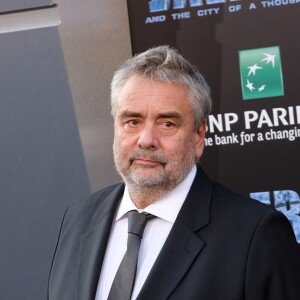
(165, 64)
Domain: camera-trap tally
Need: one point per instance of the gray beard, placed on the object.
(153, 186)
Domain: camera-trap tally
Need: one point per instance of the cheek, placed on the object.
(173, 145)
(124, 141)
(184, 146)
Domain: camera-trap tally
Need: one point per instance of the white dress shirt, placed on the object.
(156, 232)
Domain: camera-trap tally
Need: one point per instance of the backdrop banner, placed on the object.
(249, 53)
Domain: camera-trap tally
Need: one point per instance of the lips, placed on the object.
(150, 160)
(147, 162)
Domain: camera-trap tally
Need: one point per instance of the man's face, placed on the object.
(155, 143)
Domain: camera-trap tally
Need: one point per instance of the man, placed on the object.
(203, 241)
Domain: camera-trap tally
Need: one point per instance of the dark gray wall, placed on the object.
(95, 40)
(10, 5)
(55, 131)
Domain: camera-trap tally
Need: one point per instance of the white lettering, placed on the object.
(272, 3)
(230, 118)
(264, 119)
(234, 8)
(227, 139)
(155, 19)
(183, 15)
(208, 12)
(213, 122)
(280, 114)
(208, 141)
(250, 116)
(246, 137)
(217, 123)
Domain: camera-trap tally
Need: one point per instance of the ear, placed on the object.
(200, 140)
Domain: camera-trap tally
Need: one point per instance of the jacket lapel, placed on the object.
(93, 244)
(183, 244)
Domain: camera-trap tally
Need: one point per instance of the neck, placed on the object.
(143, 196)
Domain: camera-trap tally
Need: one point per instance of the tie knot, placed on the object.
(136, 222)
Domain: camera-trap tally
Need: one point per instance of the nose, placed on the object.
(148, 138)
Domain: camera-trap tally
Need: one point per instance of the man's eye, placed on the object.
(168, 124)
(133, 122)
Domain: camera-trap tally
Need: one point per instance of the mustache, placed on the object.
(148, 155)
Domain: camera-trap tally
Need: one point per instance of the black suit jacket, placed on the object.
(223, 246)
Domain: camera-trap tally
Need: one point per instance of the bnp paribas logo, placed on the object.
(261, 73)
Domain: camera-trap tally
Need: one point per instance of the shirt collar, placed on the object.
(167, 207)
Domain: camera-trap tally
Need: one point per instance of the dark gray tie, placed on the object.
(123, 283)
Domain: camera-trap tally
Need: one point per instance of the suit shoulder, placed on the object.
(237, 202)
(240, 216)
(94, 200)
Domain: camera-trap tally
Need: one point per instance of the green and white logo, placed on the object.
(261, 73)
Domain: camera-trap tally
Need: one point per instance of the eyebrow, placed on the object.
(168, 114)
(128, 113)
